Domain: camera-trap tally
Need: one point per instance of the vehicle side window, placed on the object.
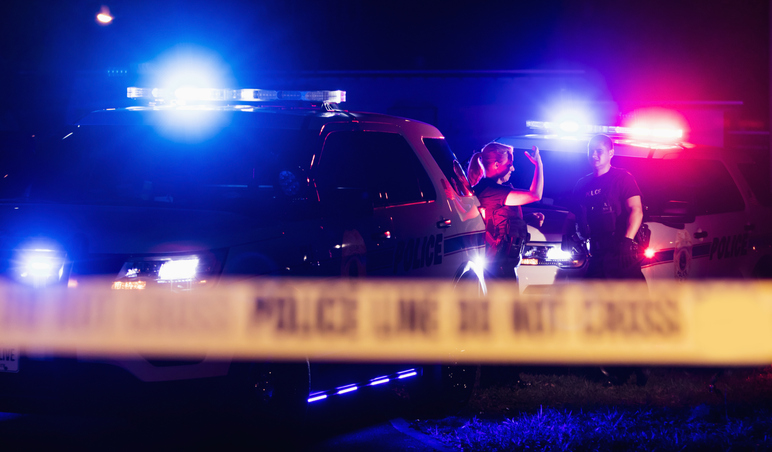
(449, 165)
(706, 184)
(383, 165)
(562, 170)
(17, 162)
(757, 177)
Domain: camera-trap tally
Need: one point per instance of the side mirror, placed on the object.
(673, 213)
(570, 241)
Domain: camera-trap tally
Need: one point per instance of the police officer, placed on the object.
(489, 171)
(609, 214)
(505, 229)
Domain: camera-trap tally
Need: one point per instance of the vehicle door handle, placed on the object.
(444, 223)
(750, 227)
(700, 235)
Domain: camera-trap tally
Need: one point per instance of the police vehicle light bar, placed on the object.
(572, 127)
(243, 95)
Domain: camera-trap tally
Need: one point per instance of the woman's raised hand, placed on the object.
(533, 155)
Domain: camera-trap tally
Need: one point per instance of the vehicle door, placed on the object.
(456, 209)
(712, 245)
(356, 237)
(753, 180)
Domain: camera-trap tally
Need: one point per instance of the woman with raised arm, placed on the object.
(489, 172)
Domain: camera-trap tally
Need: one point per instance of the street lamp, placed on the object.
(104, 17)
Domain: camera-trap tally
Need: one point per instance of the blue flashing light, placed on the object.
(39, 266)
(321, 395)
(347, 390)
(407, 373)
(185, 66)
(192, 93)
(569, 126)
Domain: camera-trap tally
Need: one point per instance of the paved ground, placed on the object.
(33, 432)
(395, 434)
(354, 425)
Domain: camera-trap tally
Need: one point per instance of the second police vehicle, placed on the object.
(195, 187)
(707, 208)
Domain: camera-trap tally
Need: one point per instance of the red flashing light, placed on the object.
(656, 123)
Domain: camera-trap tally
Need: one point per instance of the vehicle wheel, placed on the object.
(443, 388)
(272, 395)
(619, 375)
(468, 278)
(763, 269)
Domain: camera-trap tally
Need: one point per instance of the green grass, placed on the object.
(569, 410)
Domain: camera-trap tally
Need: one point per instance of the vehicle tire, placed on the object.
(763, 268)
(442, 389)
(466, 278)
(271, 396)
(619, 375)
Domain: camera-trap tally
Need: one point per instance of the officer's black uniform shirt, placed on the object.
(604, 198)
(492, 197)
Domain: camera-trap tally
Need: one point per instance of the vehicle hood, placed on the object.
(552, 228)
(97, 229)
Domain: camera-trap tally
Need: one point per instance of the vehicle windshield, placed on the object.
(561, 172)
(241, 170)
(705, 184)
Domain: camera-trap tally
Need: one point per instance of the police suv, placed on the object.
(707, 208)
(197, 187)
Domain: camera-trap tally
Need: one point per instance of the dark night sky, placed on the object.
(653, 50)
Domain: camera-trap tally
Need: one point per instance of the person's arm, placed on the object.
(519, 198)
(635, 209)
(535, 219)
(464, 212)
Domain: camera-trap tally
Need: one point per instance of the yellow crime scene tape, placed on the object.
(716, 323)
